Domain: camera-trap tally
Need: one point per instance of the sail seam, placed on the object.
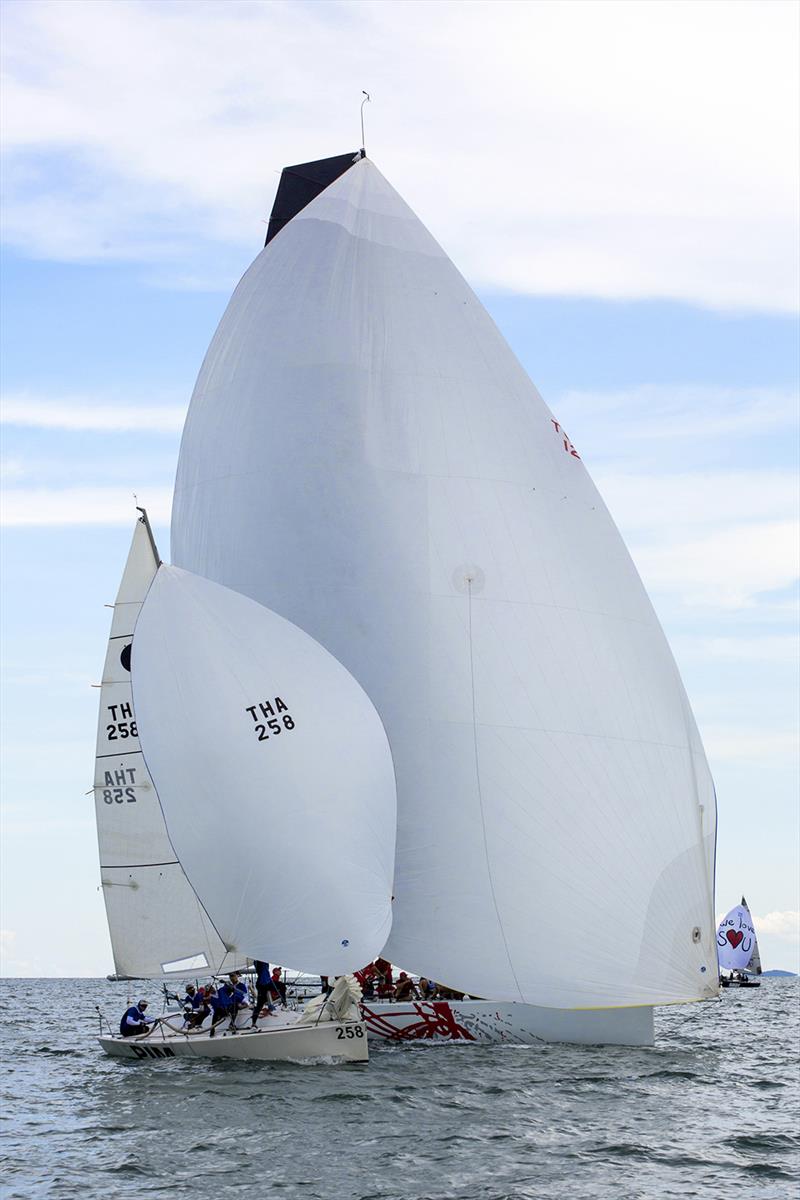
(480, 790)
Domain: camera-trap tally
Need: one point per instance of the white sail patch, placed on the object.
(274, 774)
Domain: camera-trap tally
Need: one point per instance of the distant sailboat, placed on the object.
(737, 948)
(365, 457)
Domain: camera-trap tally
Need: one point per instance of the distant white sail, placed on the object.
(156, 923)
(737, 944)
(274, 774)
(364, 455)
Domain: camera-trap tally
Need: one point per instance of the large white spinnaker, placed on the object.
(274, 774)
(157, 925)
(737, 944)
(364, 455)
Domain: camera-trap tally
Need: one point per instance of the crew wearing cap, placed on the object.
(134, 1021)
(190, 1000)
(405, 987)
(278, 984)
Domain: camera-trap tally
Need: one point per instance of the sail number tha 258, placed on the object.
(270, 718)
(123, 725)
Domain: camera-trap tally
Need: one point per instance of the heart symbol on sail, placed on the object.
(734, 936)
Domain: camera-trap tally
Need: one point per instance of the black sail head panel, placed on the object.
(300, 184)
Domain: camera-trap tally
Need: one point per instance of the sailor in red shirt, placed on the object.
(405, 988)
(383, 969)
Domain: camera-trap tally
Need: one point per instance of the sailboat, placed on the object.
(206, 651)
(365, 458)
(737, 948)
(402, 653)
(158, 927)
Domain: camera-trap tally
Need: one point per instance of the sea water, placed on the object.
(710, 1111)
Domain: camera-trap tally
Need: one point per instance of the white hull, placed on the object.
(344, 1041)
(489, 1022)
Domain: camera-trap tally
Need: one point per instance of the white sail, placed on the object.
(364, 455)
(737, 944)
(156, 923)
(274, 774)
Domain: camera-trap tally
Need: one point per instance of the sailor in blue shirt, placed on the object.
(242, 997)
(191, 1000)
(226, 995)
(264, 989)
(134, 1021)
(220, 1006)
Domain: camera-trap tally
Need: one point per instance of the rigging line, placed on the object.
(478, 782)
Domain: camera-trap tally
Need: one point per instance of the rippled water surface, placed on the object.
(711, 1111)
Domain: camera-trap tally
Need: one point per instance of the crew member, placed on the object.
(383, 969)
(366, 978)
(189, 1001)
(220, 1005)
(134, 1021)
(241, 994)
(264, 989)
(278, 985)
(405, 988)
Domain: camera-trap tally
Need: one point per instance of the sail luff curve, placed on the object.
(157, 925)
(364, 455)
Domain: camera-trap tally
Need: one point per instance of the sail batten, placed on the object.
(364, 455)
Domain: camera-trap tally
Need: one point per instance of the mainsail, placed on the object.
(157, 925)
(365, 456)
(274, 774)
(737, 944)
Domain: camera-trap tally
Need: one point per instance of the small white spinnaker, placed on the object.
(274, 774)
(157, 925)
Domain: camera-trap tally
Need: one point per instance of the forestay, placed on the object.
(274, 774)
(364, 455)
(156, 922)
(737, 944)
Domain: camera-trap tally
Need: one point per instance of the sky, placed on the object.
(618, 182)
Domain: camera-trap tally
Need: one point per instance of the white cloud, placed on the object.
(768, 648)
(729, 568)
(719, 539)
(79, 414)
(591, 148)
(784, 925)
(755, 746)
(698, 501)
(678, 412)
(81, 505)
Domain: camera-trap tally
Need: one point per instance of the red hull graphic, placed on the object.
(435, 1019)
